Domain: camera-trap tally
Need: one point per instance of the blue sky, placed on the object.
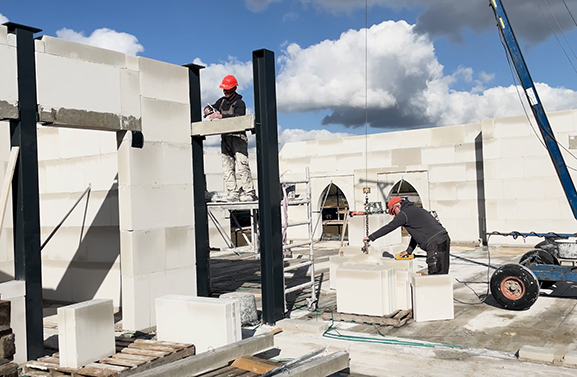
(430, 62)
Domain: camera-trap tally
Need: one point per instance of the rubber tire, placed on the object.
(550, 246)
(540, 256)
(525, 277)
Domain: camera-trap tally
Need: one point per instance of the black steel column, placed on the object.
(199, 188)
(268, 187)
(25, 193)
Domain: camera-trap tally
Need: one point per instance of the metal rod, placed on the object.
(65, 217)
(221, 230)
(294, 362)
(297, 287)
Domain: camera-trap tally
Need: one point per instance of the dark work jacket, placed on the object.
(231, 107)
(420, 224)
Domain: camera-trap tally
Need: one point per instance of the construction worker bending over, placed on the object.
(425, 231)
(233, 146)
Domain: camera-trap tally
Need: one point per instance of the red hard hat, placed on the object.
(228, 82)
(394, 200)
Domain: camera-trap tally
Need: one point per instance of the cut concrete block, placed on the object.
(335, 261)
(357, 230)
(85, 332)
(296, 325)
(248, 313)
(222, 126)
(570, 358)
(432, 297)
(400, 265)
(368, 289)
(403, 294)
(538, 354)
(350, 250)
(206, 322)
(15, 292)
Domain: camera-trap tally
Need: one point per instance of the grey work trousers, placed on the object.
(234, 151)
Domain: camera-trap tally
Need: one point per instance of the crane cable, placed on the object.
(366, 190)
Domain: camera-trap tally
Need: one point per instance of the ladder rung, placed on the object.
(294, 182)
(297, 266)
(297, 223)
(293, 245)
(297, 202)
(297, 287)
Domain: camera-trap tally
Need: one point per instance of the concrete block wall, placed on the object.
(520, 175)
(141, 199)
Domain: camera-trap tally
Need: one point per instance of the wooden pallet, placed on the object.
(133, 356)
(397, 318)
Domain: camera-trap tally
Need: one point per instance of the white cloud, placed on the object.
(406, 86)
(2, 19)
(293, 135)
(104, 38)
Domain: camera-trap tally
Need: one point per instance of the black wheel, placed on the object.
(514, 287)
(550, 246)
(542, 257)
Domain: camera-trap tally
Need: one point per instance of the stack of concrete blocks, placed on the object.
(155, 192)
(365, 286)
(15, 292)
(432, 297)
(7, 345)
(206, 322)
(85, 332)
(403, 271)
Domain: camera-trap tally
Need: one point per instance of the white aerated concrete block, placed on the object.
(85, 332)
(403, 264)
(432, 297)
(540, 354)
(335, 262)
(403, 294)
(15, 292)
(206, 322)
(368, 289)
(570, 358)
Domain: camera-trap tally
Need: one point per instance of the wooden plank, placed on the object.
(127, 356)
(186, 352)
(7, 183)
(100, 370)
(143, 352)
(152, 347)
(254, 364)
(208, 361)
(177, 346)
(49, 360)
(121, 362)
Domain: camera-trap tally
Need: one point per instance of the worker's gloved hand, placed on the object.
(404, 254)
(215, 115)
(366, 239)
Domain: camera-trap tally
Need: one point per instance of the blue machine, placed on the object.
(516, 286)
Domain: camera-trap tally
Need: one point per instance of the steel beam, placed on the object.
(269, 189)
(25, 193)
(199, 188)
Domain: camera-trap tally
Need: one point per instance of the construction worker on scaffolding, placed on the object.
(426, 232)
(233, 146)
